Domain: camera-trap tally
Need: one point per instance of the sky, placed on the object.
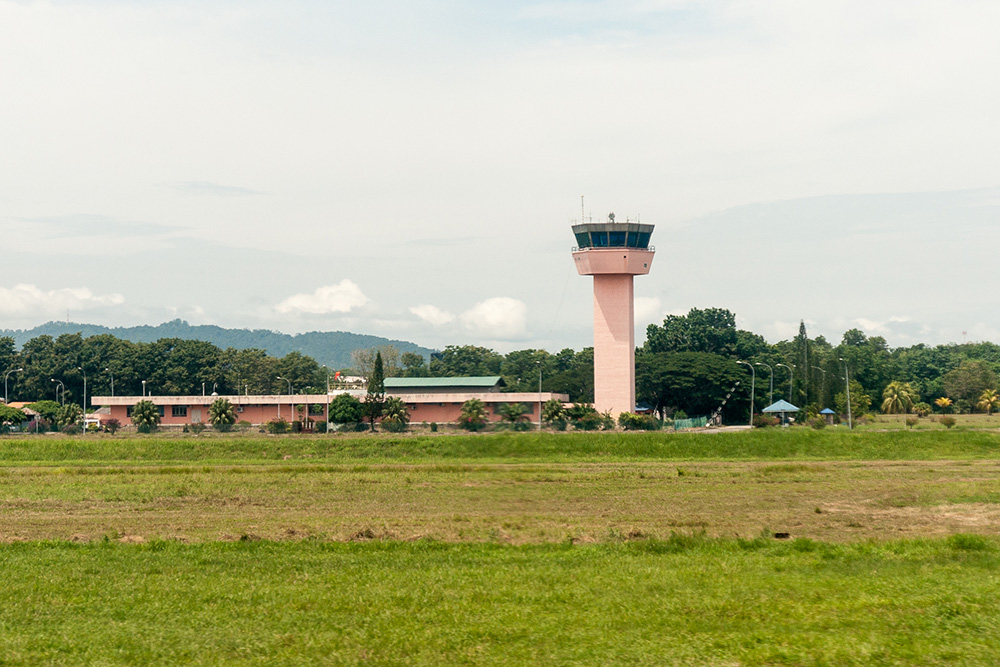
(412, 169)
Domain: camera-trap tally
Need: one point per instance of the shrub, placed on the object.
(197, 428)
(276, 426)
(763, 421)
(947, 421)
(297, 426)
(243, 425)
(72, 429)
(393, 425)
(817, 423)
(922, 409)
(680, 414)
(112, 425)
(911, 421)
(434, 427)
(630, 421)
(588, 422)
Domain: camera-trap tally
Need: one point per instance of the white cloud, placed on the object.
(648, 309)
(343, 297)
(498, 318)
(432, 314)
(22, 300)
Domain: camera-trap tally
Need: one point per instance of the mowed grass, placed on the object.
(684, 600)
(762, 444)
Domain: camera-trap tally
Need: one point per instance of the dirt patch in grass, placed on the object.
(517, 504)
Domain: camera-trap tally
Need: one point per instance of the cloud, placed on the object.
(24, 299)
(212, 189)
(432, 314)
(343, 297)
(499, 317)
(648, 309)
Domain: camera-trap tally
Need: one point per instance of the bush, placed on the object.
(680, 414)
(630, 421)
(393, 425)
(588, 422)
(911, 421)
(818, 422)
(921, 409)
(112, 426)
(947, 421)
(243, 425)
(72, 429)
(764, 421)
(276, 426)
(434, 427)
(196, 428)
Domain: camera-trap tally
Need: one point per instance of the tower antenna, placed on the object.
(581, 210)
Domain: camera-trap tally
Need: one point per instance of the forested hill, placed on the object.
(332, 348)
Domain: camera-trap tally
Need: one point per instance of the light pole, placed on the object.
(790, 375)
(13, 370)
(144, 389)
(60, 384)
(822, 394)
(112, 381)
(770, 395)
(327, 428)
(753, 385)
(539, 362)
(291, 408)
(80, 368)
(847, 384)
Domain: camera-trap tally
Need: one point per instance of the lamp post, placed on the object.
(822, 394)
(60, 384)
(13, 370)
(291, 408)
(327, 428)
(753, 385)
(80, 368)
(847, 384)
(790, 375)
(770, 394)
(144, 389)
(539, 362)
(112, 381)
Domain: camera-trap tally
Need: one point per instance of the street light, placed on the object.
(847, 383)
(770, 395)
(539, 362)
(13, 370)
(790, 375)
(327, 429)
(112, 381)
(753, 384)
(291, 408)
(822, 395)
(80, 368)
(144, 389)
(60, 384)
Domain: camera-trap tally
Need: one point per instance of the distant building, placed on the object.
(427, 399)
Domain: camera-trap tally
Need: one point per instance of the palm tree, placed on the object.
(897, 398)
(221, 414)
(944, 403)
(988, 400)
(395, 416)
(473, 415)
(511, 412)
(145, 416)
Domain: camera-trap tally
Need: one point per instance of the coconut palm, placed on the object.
(897, 398)
(395, 416)
(221, 414)
(511, 412)
(989, 400)
(473, 415)
(145, 416)
(944, 403)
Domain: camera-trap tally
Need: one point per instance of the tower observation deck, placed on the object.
(613, 253)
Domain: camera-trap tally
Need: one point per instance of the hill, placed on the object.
(332, 348)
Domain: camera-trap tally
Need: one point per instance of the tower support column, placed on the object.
(614, 344)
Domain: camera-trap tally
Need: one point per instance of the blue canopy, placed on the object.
(780, 406)
(827, 411)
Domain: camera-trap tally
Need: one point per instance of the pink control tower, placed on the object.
(613, 253)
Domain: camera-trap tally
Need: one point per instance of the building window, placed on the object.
(179, 411)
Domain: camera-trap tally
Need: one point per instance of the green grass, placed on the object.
(684, 600)
(764, 444)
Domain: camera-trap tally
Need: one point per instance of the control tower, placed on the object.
(613, 253)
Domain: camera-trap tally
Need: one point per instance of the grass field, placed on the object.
(648, 548)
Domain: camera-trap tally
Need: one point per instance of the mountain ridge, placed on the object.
(332, 348)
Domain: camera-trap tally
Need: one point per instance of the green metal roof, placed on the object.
(485, 381)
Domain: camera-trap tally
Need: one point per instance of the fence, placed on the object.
(694, 422)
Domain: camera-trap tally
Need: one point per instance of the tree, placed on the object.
(145, 416)
(364, 361)
(414, 365)
(222, 414)
(989, 400)
(473, 415)
(47, 409)
(68, 414)
(695, 382)
(553, 411)
(861, 402)
(346, 409)
(375, 396)
(897, 398)
(710, 330)
(511, 412)
(465, 361)
(969, 381)
(944, 403)
(9, 415)
(395, 416)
